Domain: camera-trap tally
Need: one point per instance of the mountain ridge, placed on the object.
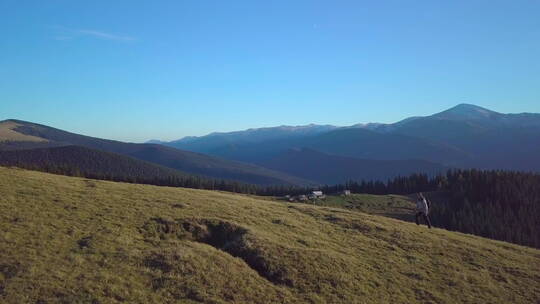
(460, 109)
(456, 137)
(185, 161)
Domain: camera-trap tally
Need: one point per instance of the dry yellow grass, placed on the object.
(7, 133)
(73, 240)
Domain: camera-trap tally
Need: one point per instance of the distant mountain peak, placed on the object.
(465, 111)
(468, 107)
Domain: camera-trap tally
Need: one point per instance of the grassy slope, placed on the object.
(73, 240)
(7, 133)
(395, 206)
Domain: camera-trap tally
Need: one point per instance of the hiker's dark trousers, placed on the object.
(426, 218)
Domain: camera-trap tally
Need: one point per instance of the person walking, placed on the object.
(422, 209)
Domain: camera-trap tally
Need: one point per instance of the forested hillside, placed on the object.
(80, 161)
(90, 163)
(502, 205)
(498, 205)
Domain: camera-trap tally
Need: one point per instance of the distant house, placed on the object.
(316, 194)
(302, 198)
(346, 192)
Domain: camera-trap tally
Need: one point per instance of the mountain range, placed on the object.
(465, 136)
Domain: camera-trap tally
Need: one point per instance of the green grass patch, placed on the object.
(395, 206)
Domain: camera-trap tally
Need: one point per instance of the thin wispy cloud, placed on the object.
(64, 33)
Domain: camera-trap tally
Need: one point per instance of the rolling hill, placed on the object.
(74, 240)
(188, 162)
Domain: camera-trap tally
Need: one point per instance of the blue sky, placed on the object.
(136, 70)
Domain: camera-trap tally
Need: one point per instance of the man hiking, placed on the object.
(422, 208)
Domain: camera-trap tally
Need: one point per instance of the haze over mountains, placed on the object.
(465, 136)
(331, 169)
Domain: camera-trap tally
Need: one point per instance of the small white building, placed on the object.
(317, 193)
(346, 192)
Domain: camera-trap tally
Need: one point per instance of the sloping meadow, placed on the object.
(73, 240)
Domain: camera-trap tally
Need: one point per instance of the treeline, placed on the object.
(502, 205)
(84, 162)
(399, 185)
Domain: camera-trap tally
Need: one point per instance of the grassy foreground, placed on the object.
(73, 240)
(395, 206)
